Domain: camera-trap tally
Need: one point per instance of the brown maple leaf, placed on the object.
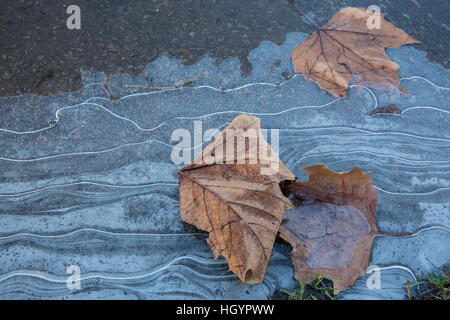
(390, 108)
(232, 191)
(333, 225)
(345, 50)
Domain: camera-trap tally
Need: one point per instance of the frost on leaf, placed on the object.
(332, 226)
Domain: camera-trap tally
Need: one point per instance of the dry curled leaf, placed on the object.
(346, 49)
(232, 191)
(332, 226)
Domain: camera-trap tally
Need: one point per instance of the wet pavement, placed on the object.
(39, 54)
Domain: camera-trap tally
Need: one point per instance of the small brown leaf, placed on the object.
(333, 225)
(232, 191)
(345, 49)
(390, 108)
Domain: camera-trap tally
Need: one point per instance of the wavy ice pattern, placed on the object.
(99, 190)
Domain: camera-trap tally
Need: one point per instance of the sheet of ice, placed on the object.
(98, 189)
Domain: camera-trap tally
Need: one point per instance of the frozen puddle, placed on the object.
(99, 190)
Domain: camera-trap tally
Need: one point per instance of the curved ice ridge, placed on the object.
(394, 267)
(412, 193)
(119, 234)
(57, 279)
(62, 185)
(203, 116)
(415, 234)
